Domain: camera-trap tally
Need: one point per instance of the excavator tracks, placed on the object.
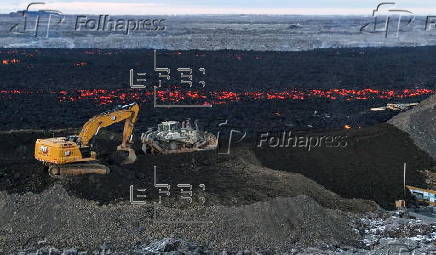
(75, 169)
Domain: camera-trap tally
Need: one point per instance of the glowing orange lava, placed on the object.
(106, 96)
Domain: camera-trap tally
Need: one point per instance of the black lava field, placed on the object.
(319, 89)
(313, 92)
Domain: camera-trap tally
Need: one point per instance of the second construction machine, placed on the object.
(177, 137)
(73, 155)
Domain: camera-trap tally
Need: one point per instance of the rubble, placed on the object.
(385, 232)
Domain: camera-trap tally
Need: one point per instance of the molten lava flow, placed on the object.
(177, 96)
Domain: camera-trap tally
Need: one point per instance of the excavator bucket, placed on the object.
(131, 155)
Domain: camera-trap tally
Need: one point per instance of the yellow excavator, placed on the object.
(73, 155)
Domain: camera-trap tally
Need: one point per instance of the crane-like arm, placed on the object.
(92, 126)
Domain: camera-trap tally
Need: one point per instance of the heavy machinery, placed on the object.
(73, 155)
(176, 137)
(395, 107)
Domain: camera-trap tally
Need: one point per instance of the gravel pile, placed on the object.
(33, 224)
(419, 123)
(57, 219)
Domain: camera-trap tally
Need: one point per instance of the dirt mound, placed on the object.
(418, 122)
(248, 206)
(369, 167)
(54, 218)
(298, 220)
(234, 179)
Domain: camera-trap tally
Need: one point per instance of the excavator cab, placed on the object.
(72, 138)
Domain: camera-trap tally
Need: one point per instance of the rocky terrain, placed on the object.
(263, 199)
(419, 124)
(378, 232)
(242, 197)
(248, 207)
(56, 219)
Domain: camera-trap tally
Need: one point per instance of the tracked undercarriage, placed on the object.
(177, 137)
(88, 167)
(78, 169)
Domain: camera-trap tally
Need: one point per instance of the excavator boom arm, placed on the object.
(92, 126)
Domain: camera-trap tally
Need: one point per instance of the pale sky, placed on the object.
(170, 7)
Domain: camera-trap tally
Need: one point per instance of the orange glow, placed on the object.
(347, 126)
(106, 96)
(10, 61)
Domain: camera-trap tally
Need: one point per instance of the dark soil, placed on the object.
(369, 167)
(228, 179)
